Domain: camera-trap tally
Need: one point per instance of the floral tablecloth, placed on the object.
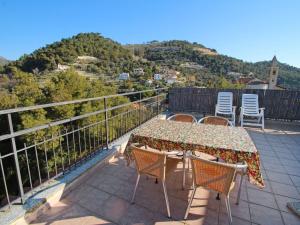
(232, 144)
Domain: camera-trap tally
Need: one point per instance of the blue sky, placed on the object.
(250, 30)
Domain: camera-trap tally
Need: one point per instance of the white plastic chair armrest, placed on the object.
(261, 110)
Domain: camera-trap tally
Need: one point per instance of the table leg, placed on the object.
(218, 195)
(183, 178)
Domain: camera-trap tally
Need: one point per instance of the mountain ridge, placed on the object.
(200, 61)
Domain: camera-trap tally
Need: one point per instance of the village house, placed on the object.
(124, 76)
(257, 84)
(157, 76)
(138, 71)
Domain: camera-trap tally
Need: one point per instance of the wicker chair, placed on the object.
(216, 176)
(183, 118)
(189, 119)
(155, 164)
(215, 120)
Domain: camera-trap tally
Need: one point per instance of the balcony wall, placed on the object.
(278, 104)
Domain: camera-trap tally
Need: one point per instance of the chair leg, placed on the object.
(190, 203)
(166, 198)
(242, 121)
(136, 185)
(227, 202)
(240, 189)
(234, 120)
(263, 122)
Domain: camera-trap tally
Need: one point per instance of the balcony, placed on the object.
(85, 180)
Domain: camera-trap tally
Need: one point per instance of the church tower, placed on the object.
(273, 74)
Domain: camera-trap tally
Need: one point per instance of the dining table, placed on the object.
(231, 144)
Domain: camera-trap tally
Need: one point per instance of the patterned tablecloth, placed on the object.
(232, 144)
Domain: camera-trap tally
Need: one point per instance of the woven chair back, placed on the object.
(149, 162)
(216, 120)
(213, 175)
(184, 118)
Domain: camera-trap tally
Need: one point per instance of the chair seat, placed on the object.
(253, 115)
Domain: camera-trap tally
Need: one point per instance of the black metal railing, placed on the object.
(30, 156)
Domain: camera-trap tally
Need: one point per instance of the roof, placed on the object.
(256, 82)
(274, 61)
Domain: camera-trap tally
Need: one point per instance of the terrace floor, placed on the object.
(104, 196)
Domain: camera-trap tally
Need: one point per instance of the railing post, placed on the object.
(13, 142)
(106, 122)
(157, 105)
(140, 105)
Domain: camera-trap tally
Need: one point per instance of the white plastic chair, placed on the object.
(224, 106)
(251, 114)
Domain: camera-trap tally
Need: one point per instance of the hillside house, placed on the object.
(157, 76)
(171, 79)
(257, 84)
(124, 76)
(61, 67)
(138, 71)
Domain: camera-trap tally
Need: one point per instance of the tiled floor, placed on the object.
(105, 196)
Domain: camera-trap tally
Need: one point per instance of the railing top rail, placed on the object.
(28, 108)
(63, 121)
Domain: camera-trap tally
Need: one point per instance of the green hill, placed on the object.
(211, 64)
(3, 61)
(189, 58)
(111, 55)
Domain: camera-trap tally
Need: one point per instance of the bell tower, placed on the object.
(273, 74)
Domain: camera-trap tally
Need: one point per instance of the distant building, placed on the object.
(234, 74)
(171, 79)
(191, 78)
(138, 71)
(242, 80)
(192, 65)
(257, 84)
(124, 76)
(87, 59)
(61, 67)
(149, 82)
(157, 76)
(273, 75)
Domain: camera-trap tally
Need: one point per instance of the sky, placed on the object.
(253, 30)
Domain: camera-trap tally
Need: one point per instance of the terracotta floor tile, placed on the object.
(265, 216)
(114, 209)
(203, 217)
